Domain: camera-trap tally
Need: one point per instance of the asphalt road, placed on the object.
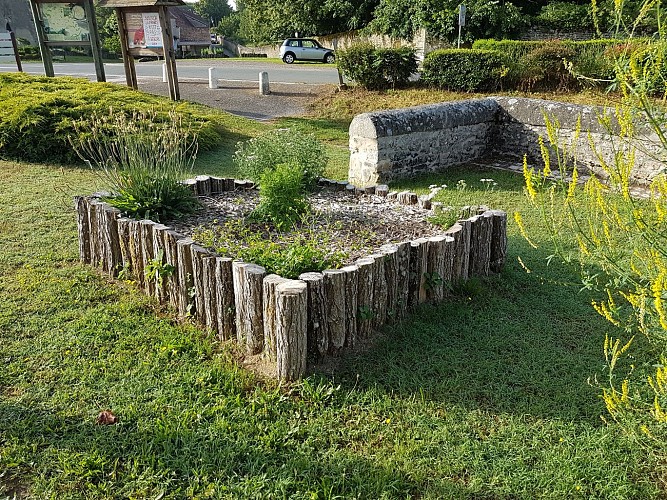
(229, 69)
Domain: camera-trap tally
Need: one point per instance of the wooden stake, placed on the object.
(318, 333)
(334, 297)
(365, 312)
(185, 280)
(269, 308)
(291, 329)
(351, 305)
(83, 228)
(498, 241)
(248, 299)
(225, 298)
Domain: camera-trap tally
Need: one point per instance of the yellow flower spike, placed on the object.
(519, 222)
(658, 287)
(573, 184)
(528, 176)
(546, 158)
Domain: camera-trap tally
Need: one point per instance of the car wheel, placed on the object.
(329, 58)
(289, 58)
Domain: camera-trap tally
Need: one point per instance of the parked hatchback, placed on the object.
(305, 49)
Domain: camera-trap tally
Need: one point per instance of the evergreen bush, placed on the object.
(377, 69)
(463, 69)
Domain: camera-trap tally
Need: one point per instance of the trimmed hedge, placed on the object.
(463, 69)
(377, 69)
(38, 112)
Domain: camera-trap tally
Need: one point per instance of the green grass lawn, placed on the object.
(490, 395)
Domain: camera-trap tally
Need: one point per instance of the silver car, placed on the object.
(305, 49)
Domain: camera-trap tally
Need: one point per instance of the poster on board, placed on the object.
(65, 22)
(143, 30)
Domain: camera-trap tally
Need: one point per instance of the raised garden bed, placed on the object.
(283, 320)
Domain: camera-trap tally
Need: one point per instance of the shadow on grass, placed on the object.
(517, 343)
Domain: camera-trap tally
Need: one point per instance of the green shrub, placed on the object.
(377, 69)
(546, 67)
(142, 162)
(463, 69)
(282, 200)
(38, 113)
(263, 153)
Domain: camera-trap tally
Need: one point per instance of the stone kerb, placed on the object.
(285, 321)
(388, 145)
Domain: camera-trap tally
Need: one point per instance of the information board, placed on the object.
(65, 22)
(143, 30)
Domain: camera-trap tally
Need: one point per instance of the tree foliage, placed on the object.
(213, 10)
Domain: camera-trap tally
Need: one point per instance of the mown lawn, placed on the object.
(490, 395)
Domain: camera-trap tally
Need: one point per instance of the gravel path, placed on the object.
(243, 98)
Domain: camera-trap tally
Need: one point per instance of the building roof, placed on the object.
(186, 17)
(140, 3)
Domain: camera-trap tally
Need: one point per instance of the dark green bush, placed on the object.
(377, 69)
(37, 114)
(463, 70)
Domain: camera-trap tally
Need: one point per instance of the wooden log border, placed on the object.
(289, 321)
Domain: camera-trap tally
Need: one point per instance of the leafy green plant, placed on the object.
(286, 254)
(282, 199)
(432, 280)
(377, 69)
(545, 67)
(141, 160)
(463, 70)
(157, 270)
(565, 16)
(264, 153)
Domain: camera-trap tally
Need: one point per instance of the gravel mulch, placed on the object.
(355, 225)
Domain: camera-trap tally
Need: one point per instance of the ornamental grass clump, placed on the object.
(142, 160)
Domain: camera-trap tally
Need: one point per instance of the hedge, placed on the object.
(377, 69)
(463, 69)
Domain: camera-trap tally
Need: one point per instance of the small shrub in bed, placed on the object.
(282, 200)
(142, 161)
(38, 113)
(264, 153)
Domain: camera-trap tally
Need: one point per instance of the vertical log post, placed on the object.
(95, 240)
(463, 249)
(351, 306)
(124, 239)
(225, 298)
(171, 258)
(291, 329)
(403, 283)
(248, 299)
(435, 269)
(210, 299)
(334, 296)
(185, 280)
(366, 267)
(160, 258)
(379, 290)
(146, 233)
(455, 232)
(390, 253)
(110, 241)
(83, 228)
(318, 338)
(269, 304)
(136, 252)
(498, 241)
(198, 254)
(480, 244)
(418, 268)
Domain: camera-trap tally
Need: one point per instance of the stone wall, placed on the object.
(387, 145)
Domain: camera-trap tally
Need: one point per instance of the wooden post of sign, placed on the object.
(95, 45)
(169, 56)
(41, 39)
(15, 47)
(128, 60)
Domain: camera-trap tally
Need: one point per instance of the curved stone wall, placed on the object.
(393, 144)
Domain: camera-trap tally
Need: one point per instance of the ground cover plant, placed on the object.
(487, 395)
(38, 114)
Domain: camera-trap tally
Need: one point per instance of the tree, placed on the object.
(213, 10)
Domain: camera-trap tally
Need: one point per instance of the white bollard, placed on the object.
(212, 78)
(264, 83)
(164, 73)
